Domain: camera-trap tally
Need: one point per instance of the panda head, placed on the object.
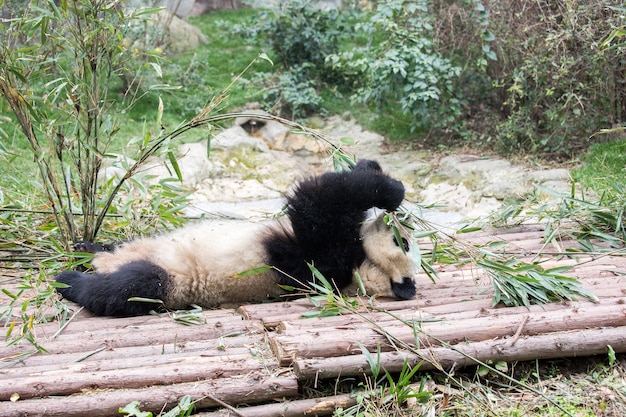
(388, 269)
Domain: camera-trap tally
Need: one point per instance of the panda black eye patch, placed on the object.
(405, 244)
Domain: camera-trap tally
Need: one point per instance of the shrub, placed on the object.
(556, 85)
(293, 93)
(301, 36)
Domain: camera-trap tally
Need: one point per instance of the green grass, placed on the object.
(206, 71)
(603, 168)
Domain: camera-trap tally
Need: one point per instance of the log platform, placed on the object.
(253, 360)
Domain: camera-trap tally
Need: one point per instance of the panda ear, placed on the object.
(367, 165)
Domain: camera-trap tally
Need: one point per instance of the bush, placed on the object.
(556, 86)
(403, 68)
(293, 93)
(301, 37)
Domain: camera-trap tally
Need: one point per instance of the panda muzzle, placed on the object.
(404, 290)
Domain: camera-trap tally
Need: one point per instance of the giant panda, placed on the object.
(326, 225)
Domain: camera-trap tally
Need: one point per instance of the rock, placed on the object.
(559, 174)
(181, 35)
(299, 144)
(236, 136)
(182, 8)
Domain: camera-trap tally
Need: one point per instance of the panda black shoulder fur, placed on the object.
(325, 225)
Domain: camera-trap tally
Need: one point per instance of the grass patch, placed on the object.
(604, 168)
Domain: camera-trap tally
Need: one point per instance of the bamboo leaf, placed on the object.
(253, 271)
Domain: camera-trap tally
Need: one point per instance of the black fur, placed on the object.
(404, 291)
(97, 294)
(91, 247)
(326, 214)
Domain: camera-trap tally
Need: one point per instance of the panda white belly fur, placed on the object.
(202, 260)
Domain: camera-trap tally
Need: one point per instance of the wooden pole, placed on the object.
(544, 346)
(323, 406)
(65, 381)
(249, 390)
(322, 342)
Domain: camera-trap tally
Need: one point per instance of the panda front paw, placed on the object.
(395, 194)
(368, 165)
(373, 184)
(389, 193)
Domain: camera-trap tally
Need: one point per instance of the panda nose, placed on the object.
(405, 290)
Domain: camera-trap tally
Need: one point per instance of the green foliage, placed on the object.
(387, 395)
(404, 66)
(301, 36)
(518, 283)
(596, 224)
(603, 169)
(293, 94)
(301, 33)
(558, 87)
(484, 74)
(34, 302)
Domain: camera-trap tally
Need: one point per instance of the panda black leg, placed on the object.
(107, 295)
(91, 247)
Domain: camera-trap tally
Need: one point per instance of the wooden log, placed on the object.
(426, 314)
(323, 406)
(121, 363)
(211, 347)
(324, 343)
(250, 390)
(102, 326)
(451, 299)
(544, 346)
(85, 322)
(89, 341)
(64, 382)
